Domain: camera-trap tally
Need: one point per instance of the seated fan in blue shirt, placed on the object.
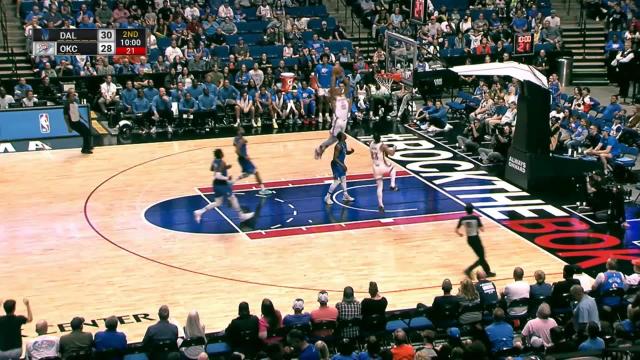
(607, 149)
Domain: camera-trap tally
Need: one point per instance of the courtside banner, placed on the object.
(36, 123)
(550, 225)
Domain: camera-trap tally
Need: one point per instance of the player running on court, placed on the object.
(342, 108)
(339, 169)
(472, 226)
(222, 189)
(248, 169)
(379, 152)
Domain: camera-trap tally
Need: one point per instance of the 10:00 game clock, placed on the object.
(523, 44)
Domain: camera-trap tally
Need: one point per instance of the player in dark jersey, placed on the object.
(339, 169)
(248, 169)
(472, 226)
(222, 189)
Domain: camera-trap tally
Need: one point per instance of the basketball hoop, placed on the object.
(386, 79)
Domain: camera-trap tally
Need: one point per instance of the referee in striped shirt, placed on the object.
(472, 225)
(74, 121)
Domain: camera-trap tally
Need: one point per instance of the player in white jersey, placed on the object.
(379, 152)
(342, 108)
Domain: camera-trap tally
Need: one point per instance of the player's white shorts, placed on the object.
(381, 169)
(339, 126)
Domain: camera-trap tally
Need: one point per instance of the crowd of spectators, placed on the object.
(246, 45)
(482, 32)
(575, 314)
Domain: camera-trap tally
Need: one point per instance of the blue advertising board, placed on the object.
(36, 123)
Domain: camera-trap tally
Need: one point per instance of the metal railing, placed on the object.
(3, 27)
(346, 16)
(582, 24)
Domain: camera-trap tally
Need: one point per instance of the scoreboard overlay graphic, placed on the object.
(53, 42)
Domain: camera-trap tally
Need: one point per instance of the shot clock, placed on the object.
(523, 44)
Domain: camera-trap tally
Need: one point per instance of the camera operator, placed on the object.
(501, 141)
(472, 136)
(596, 195)
(605, 198)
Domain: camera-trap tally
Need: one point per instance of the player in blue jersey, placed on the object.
(307, 99)
(222, 187)
(291, 99)
(263, 104)
(323, 73)
(248, 169)
(339, 169)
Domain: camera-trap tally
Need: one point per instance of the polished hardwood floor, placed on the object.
(125, 265)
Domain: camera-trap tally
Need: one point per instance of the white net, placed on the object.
(384, 81)
(401, 55)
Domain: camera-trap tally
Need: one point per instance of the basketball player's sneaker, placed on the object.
(266, 192)
(491, 274)
(347, 198)
(393, 188)
(246, 216)
(197, 215)
(381, 209)
(327, 200)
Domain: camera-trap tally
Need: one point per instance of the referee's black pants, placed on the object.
(475, 244)
(84, 131)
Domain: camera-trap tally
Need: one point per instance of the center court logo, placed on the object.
(45, 125)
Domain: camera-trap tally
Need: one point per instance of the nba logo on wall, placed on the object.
(45, 127)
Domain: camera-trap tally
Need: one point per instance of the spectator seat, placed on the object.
(217, 346)
(629, 156)
(316, 24)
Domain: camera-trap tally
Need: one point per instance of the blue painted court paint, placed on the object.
(632, 235)
(303, 205)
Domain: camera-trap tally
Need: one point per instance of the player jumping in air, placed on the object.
(339, 169)
(379, 152)
(222, 189)
(342, 109)
(248, 169)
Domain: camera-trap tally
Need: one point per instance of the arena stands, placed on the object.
(476, 321)
(189, 41)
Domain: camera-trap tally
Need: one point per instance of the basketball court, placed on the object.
(113, 234)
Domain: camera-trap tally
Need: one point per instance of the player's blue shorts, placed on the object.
(222, 190)
(247, 166)
(338, 171)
